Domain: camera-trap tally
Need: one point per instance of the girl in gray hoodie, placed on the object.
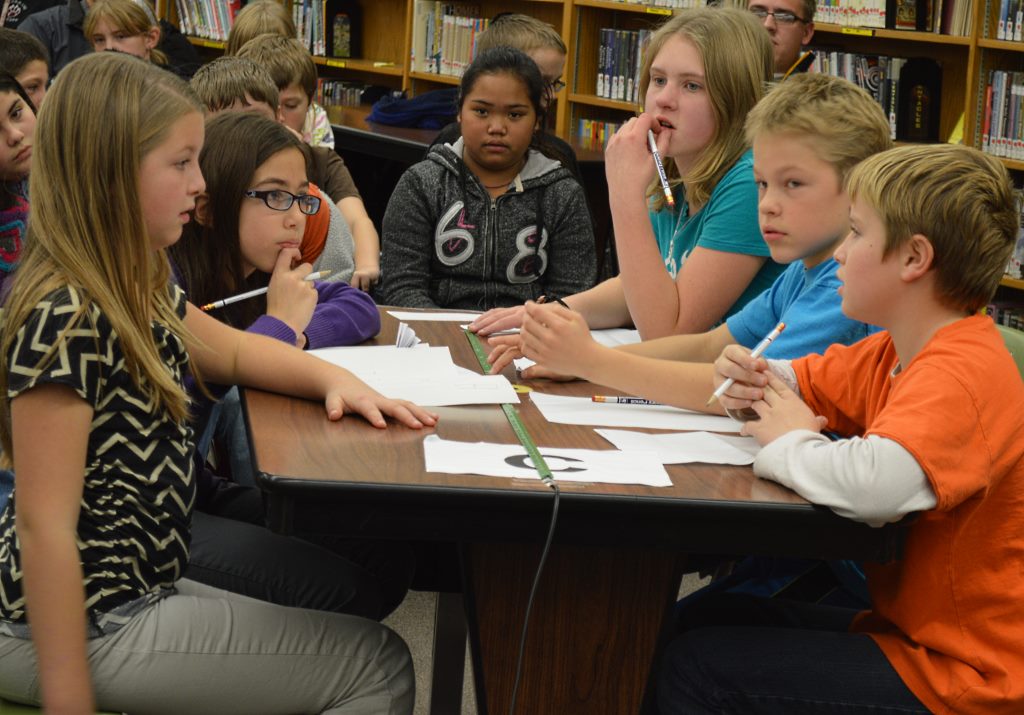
(488, 221)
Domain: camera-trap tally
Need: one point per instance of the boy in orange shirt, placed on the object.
(932, 406)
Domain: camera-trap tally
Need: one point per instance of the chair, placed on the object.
(1014, 340)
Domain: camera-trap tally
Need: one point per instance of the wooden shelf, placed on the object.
(933, 38)
(593, 100)
(360, 65)
(624, 7)
(439, 78)
(1015, 283)
(1007, 45)
(203, 42)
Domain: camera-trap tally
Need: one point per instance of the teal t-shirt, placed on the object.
(727, 222)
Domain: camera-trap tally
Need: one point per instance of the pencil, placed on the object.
(623, 400)
(315, 275)
(756, 352)
(669, 199)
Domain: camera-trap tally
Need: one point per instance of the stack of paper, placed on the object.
(406, 337)
(584, 411)
(424, 375)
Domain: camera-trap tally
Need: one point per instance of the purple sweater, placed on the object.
(343, 316)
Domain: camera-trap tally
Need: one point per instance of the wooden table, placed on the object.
(613, 572)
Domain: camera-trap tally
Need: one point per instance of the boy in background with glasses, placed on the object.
(790, 23)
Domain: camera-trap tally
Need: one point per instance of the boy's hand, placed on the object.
(498, 319)
(557, 338)
(291, 298)
(750, 375)
(780, 411)
(365, 278)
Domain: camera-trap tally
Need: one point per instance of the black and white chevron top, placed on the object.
(136, 509)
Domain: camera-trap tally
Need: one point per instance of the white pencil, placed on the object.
(314, 276)
(669, 199)
(756, 352)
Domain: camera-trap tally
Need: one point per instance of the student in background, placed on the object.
(489, 220)
(103, 505)
(24, 57)
(124, 26)
(542, 44)
(703, 71)
(790, 24)
(60, 29)
(259, 18)
(17, 129)
(294, 73)
(931, 410)
(292, 70)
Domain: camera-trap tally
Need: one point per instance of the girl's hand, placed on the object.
(504, 349)
(628, 164)
(780, 411)
(498, 319)
(557, 338)
(290, 298)
(353, 396)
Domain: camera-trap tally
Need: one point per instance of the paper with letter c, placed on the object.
(567, 465)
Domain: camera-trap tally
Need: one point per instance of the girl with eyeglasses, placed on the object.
(247, 233)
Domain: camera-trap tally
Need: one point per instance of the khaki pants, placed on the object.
(204, 650)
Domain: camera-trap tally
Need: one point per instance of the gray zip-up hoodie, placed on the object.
(447, 244)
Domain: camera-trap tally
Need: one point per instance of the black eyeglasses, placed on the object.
(782, 17)
(281, 200)
(556, 86)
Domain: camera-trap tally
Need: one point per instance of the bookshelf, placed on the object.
(966, 61)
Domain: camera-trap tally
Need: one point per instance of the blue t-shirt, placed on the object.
(727, 222)
(807, 301)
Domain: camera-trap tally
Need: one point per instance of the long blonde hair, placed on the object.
(87, 230)
(738, 64)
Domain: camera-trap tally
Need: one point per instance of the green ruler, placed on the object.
(513, 417)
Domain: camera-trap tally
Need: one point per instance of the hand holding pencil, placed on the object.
(744, 373)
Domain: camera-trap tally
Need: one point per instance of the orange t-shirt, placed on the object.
(314, 238)
(949, 616)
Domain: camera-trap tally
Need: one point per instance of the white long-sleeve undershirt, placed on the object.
(871, 479)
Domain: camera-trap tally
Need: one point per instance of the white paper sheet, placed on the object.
(424, 375)
(567, 465)
(609, 338)
(445, 317)
(582, 411)
(686, 447)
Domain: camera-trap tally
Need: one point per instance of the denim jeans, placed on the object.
(756, 656)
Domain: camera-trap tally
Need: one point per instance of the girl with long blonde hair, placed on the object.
(683, 269)
(95, 347)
